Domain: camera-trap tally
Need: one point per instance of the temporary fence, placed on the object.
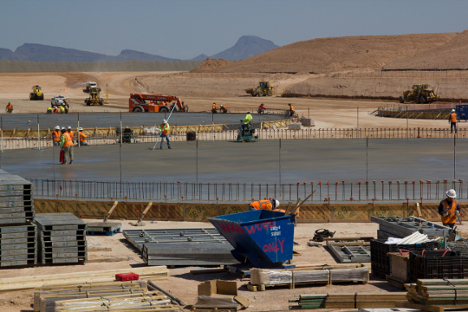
(417, 107)
(323, 191)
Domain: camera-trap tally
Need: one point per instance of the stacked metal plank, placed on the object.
(401, 227)
(61, 238)
(17, 233)
(182, 246)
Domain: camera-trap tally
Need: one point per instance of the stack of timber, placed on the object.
(260, 279)
(30, 282)
(430, 294)
(17, 233)
(348, 301)
(61, 238)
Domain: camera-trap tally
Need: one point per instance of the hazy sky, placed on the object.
(186, 28)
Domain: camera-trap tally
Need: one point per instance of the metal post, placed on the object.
(367, 158)
(120, 153)
(1, 126)
(78, 134)
(454, 155)
(212, 125)
(280, 163)
(196, 144)
(38, 134)
(407, 126)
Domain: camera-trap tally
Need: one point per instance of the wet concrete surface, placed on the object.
(101, 120)
(230, 162)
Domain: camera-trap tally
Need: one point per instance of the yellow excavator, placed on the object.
(37, 94)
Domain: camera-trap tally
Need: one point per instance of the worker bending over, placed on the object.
(164, 129)
(56, 136)
(264, 204)
(82, 137)
(291, 110)
(261, 109)
(453, 121)
(67, 145)
(449, 209)
(49, 110)
(223, 109)
(213, 109)
(9, 108)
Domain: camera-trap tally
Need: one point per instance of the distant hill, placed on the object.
(6, 54)
(245, 47)
(131, 55)
(200, 57)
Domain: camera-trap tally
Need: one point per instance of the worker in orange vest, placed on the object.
(9, 108)
(56, 136)
(449, 209)
(223, 109)
(164, 129)
(291, 110)
(67, 146)
(264, 204)
(453, 121)
(82, 137)
(70, 133)
(213, 108)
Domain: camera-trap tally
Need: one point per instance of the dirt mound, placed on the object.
(337, 54)
(451, 55)
(211, 66)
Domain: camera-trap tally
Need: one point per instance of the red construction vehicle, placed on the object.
(155, 103)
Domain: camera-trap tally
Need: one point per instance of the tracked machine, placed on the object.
(155, 103)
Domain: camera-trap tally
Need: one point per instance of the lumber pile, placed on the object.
(438, 292)
(31, 282)
(348, 301)
(307, 275)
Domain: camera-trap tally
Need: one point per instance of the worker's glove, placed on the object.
(446, 213)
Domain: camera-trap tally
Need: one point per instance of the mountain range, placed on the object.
(245, 47)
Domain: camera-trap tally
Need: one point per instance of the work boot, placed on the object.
(161, 147)
(71, 162)
(169, 147)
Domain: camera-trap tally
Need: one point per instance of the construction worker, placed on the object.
(264, 204)
(67, 146)
(213, 109)
(449, 209)
(164, 129)
(291, 110)
(261, 109)
(56, 136)
(70, 133)
(49, 110)
(247, 119)
(82, 137)
(223, 109)
(62, 109)
(453, 121)
(56, 110)
(9, 108)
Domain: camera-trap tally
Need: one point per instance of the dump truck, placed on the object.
(420, 93)
(263, 89)
(89, 85)
(94, 96)
(37, 94)
(155, 103)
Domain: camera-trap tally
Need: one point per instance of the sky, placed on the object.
(183, 29)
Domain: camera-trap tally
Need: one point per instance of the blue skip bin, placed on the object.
(264, 237)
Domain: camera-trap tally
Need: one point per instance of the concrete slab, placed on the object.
(229, 162)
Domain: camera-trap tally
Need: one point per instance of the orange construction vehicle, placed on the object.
(154, 103)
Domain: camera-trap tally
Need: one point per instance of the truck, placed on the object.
(155, 103)
(89, 85)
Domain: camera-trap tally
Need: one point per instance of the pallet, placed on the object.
(103, 228)
(294, 285)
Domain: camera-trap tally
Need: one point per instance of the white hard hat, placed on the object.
(69, 127)
(164, 121)
(277, 203)
(80, 129)
(57, 127)
(453, 110)
(451, 193)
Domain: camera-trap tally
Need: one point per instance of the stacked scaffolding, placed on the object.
(17, 233)
(61, 238)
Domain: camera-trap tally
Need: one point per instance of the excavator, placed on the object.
(155, 103)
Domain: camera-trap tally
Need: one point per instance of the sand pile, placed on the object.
(451, 55)
(211, 66)
(326, 55)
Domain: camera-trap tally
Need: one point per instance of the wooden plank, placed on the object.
(364, 238)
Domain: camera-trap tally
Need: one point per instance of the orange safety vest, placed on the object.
(213, 107)
(72, 136)
(291, 108)
(56, 136)
(453, 117)
(68, 141)
(451, 217)
(165, 130)
(262, 204)
(9, 107)
(82, 137)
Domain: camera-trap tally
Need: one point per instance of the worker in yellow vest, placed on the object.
(264, 204)
(164, 129)
(449, 209)
(56, 136)
(67, 145)
(213, 108)
(453, 121)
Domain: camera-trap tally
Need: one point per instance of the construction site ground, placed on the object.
(183, 285)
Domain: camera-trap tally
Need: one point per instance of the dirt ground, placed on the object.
(199, 91)
(184, 285)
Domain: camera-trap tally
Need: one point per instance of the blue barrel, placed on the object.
(264, 237)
